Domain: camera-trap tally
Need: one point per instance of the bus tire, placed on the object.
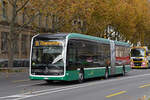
(148, 65)
(106, 73)
(123, 71)
(81, 76)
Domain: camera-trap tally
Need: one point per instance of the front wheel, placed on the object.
(106, 74)
(81, 76)
(148, 65)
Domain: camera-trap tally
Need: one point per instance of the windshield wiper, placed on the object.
(57, 59)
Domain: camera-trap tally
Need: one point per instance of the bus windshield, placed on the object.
(137, 52)
(48, 56)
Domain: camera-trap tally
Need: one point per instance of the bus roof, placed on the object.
(81, 36)
(92, 38)
(98, 39)
(122, 43)
(51, 35)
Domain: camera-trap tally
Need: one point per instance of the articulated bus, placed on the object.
(73, 56)
(139, 57)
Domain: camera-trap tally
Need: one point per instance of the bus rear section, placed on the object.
(139, 58)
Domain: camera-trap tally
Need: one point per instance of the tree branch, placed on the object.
(15, 2)
(22, 6)
(31, 19)
(11, 2)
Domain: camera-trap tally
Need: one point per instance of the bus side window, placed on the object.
(71, 53)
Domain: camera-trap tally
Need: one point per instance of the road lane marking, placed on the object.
(47, 91)
(17, 81)
(105, 81)
(115, 94)
(143, 86)
(38, 93)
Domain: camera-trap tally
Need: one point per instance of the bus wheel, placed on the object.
(81, 76)
(148, 65)
(123, 71)
(106, 73)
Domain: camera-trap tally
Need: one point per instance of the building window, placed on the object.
(24, 44)
(46, 21)
(4, 42)
(30, 38)
(4, 10)
(40, 19)
(16, 45)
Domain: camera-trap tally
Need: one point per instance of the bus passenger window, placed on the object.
(71, 53)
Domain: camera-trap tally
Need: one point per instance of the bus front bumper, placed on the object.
(69, 76)
(46, 78)
(139, 66)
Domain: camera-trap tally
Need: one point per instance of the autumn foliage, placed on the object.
(130, 18)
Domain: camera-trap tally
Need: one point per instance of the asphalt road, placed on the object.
(133, 86)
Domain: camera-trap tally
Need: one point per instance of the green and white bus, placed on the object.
(74, 56)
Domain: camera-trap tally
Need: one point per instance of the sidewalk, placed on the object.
(8, 74)
(14, 69)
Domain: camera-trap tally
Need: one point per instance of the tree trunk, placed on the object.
(10, 54)
(11, 37)
(11, 42)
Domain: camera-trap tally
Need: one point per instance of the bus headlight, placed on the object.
(143, 63)
(132, 64)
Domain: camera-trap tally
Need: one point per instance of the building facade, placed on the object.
(23, 38)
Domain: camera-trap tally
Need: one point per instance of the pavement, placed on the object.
(10, 75)
(134, 86)
(14, 69)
